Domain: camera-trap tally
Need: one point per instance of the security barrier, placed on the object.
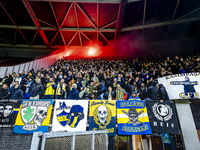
(89, 140)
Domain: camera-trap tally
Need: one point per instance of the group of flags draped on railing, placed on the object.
(134, 117)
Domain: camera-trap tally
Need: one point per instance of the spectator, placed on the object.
(153, 91)
(134, 96)
(74, 94)
(18, 78)
(36, 90)
(120, 93)
(114, 84)
(83, 84)
(16, 92)
(7, 80)
(61, 89)
(85, 94)
(110, 94)
(100, 89)
(4, 92)
(143, 91)
(50, 89)
(92, 90)
(162, 92)
(28, 85)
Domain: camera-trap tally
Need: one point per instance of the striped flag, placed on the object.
(132, 118)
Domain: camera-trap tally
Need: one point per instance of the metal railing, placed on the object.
(88, 140)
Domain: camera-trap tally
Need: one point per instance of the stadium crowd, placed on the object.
(117, 79)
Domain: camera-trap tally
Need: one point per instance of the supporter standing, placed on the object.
(73, 93)
(61, 89)
(50, 89)
(36, 90)
(16, 92)
(28, 85)
(120, 93)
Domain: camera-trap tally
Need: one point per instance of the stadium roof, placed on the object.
(52, 23)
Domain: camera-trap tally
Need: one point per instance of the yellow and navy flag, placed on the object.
(70, 115)
(102, 116)
(8, 111)
(33, 116)
(132, 118)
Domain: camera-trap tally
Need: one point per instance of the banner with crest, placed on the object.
(34, 116)
(70, 115)
(102, 116)
(9, 109)
(132, 118)
(162, 117)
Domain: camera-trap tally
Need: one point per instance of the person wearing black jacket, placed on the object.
(36, 90)
(4, 92)
(7, 79)
(153, 91)
(143, 91)
(108, 81)
(162, 92)
(110, 94)
(16, 92)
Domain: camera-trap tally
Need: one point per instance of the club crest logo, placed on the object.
(67, 115)
(6, 110)
(102, 116)
(62, 115)
(162, 111)
(133, 116)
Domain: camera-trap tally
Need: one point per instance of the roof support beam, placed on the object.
(106, 39)
(54, 14)
(14, 24)
(187, 14)
(159, 24)
(62, 38)
(36, 22)
(54, 29)
(53, 38)
(86, 15)
(121, 14)
(144, 15)
(72, 39)
(172, 19)
(5, 36)
(103, 30)
(92, 1)
(66, 15)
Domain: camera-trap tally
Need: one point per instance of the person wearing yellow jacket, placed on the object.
(60, 90)
(50, 89)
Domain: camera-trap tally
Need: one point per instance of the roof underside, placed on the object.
(55, 23)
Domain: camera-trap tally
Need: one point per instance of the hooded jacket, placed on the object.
(153, 91)
(16, 93)
(73, 94)
(163, 93)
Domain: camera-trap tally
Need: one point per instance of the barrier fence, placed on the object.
(36, 64)
(90, 140)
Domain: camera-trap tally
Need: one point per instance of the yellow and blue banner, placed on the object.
(34, 116)
(132, 118)
(102, 116)
(9, 109)
(70, 115)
